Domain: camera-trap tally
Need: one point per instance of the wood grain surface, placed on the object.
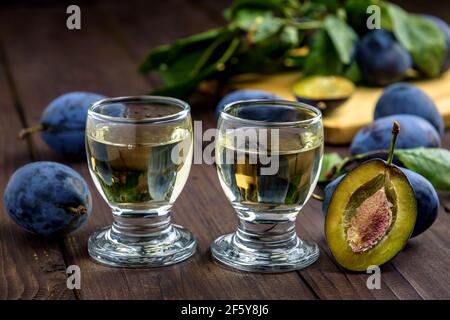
(39, 63)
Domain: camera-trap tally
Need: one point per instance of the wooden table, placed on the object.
(40, 59)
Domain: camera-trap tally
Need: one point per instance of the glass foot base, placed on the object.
(108, 249)
(236, 255)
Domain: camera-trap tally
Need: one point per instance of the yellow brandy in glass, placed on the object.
(269, 155)
(139, 152)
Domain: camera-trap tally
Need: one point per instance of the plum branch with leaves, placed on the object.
(265, 37)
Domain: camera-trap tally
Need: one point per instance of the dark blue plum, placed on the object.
(328, 192)
(404, 98)
(245, 95)
(426, 198)
(63, 123)
(415, 132)
(381, 58)
(427, 201)
(47, 198)
(444, 27)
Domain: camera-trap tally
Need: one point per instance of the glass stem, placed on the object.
(270, 234)
(144, 226)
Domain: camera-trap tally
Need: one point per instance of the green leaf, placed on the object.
(328, 162)
(421, 37)
(185, 85)
(353, 73)
(178, 71)
(182, 75)
(432, 163)
(323, 58)
(386, 19)
(342, 36)
(209, 53)
(246, 19)
(181, 90)
(259, 24)
(167, 54)
(289, 36)
(266, 29)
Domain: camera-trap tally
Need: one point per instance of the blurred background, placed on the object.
(36, 29)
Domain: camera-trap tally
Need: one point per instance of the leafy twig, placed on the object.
(207, 55)
(305, 25)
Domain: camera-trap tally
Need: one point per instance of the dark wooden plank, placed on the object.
(154, 24)
(30, 267)
(90, 59)
(325, 278)
(426, 259)
(214, 9)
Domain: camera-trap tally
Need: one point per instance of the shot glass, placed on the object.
(139, 152)
(268, 157)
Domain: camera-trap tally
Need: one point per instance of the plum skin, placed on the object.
(426, 198)
(244, 95)
(38, 197)
(64, 122)
(381, 58)
(329, 191)
(403, 98)
(427, 201)
(444, 27)
(415, 132)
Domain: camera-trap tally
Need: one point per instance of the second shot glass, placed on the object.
(268, 156)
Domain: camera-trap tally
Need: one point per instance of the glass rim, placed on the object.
(184, 108)
(224, 114)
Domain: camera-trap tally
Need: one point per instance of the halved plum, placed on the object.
(323, 92)
(371, 214)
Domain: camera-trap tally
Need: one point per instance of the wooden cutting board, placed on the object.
(342, 123)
